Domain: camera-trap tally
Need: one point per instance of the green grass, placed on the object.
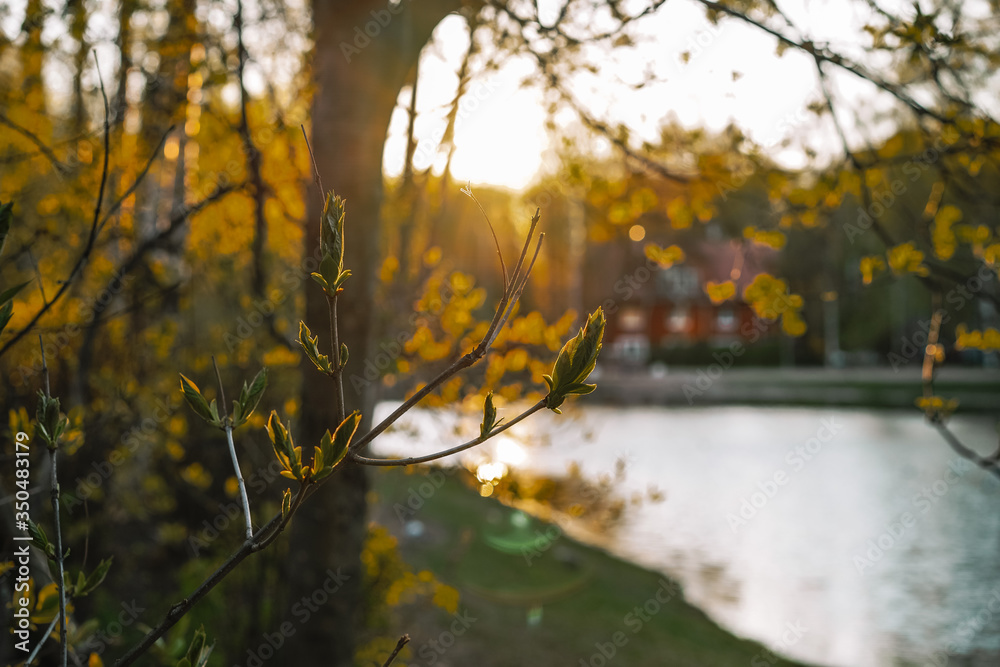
(586, 595)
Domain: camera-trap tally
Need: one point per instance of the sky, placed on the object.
(501, 139)
(732, 75)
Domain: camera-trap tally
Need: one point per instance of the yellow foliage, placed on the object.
(988, 340)
(870, 266)
(175, 450)
(196, 475)
(679, 213)
(773, 239)
(445, 597)
(905, 258)
(389, 267)
(432, 257)
(991, 255)
(665, 257)
(516, 359)
(942, 235)
(770, 299)
(937, 406)
(719, 292)
(279, 356)
(973, 235)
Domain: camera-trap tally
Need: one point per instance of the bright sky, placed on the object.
(732, 75)
(501, 139)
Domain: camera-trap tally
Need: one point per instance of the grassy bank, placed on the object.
(537, 597)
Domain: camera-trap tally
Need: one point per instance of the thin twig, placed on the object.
(38, 275)
(403, 641)
(33, 138)
(138, 179)
(312, 158)
(468, 359)
(338, 369)
(267, 535)
(45, 366)
(92, 236)
(222, 391)
(228, 425)
(517, 293)
(362, 460)
(983, 462)
(54, 486)
(145, 247)
(41, 642)
(467, 190)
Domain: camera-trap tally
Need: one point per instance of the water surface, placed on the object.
(840, 537)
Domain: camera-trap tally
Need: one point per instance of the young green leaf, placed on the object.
(249, 398)
(331, 234)
(95, 578)
(286, 502)
(321, 281)
(40, 540)
(10, 293)
(51, 423)
(344, 355)
(310, 344)
(489, 417)
(6, 312)
(332, 449)
(199, 650)
(192, 394)
(287, 453)
(575, 362)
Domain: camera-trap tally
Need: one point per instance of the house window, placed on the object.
(679, 319)
(725, 320)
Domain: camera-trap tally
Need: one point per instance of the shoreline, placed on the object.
(977, 389)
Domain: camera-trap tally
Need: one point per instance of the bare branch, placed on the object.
(403, 641)
(511, 291)
(33, 138)
(362, 460)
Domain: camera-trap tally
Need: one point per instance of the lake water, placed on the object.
(862, 530)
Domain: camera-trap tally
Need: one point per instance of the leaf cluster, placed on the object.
(575, 362)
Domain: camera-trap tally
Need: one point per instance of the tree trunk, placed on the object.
(358, 78)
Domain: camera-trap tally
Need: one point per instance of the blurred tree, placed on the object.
(180, 63)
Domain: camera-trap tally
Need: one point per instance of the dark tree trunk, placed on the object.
(358, 78)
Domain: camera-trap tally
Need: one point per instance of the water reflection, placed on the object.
(863, 528)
